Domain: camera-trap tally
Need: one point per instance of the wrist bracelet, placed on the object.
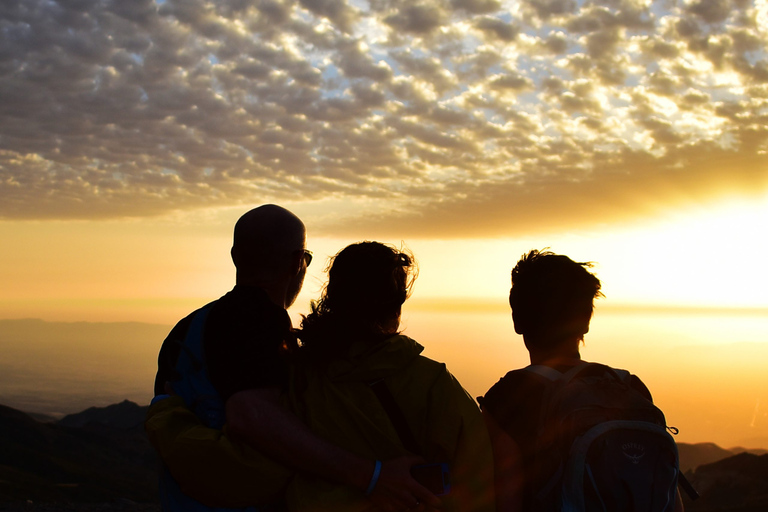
(374, 478)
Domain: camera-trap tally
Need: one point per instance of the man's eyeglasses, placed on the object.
(307, 257)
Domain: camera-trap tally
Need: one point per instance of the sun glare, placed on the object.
(712, 257)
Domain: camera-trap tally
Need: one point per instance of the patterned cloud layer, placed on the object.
(441, 116)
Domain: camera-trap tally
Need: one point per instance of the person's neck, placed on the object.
(276, 292)
(566, 352)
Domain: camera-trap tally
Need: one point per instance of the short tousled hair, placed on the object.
(552, 296)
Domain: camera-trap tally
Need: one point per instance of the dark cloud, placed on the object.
(711, 11)
(545, 9)
(477, 6)
(337, 11)
(499, 29)
(458, 117)
(512, 81)
(416, 18)
(556, 43)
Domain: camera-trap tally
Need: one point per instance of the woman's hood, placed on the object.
(368, 362)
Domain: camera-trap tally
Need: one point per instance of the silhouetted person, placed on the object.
(226, 360)
(357, 371)
(552, 304)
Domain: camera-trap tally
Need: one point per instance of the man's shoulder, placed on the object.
(179, 331)
(512, 381)
(247, 305)
(513, 391)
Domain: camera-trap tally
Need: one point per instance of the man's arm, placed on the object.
(507, 465)
(257, 418)
(207, 466)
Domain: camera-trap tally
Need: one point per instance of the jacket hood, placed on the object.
(366, 362)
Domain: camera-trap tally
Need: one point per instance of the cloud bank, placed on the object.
(447, 117)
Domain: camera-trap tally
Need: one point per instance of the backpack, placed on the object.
(602, 445)
(202, 398)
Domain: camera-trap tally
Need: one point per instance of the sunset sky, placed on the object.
(630, 133)
(133, 134)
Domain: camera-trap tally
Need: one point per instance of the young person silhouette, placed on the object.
(552, 304)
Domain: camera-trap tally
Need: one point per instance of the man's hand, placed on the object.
(397, 491)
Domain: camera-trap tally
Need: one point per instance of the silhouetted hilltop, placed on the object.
(735, 484)
(753, 451)
(55, 463)
(125, 415)
(694, 455)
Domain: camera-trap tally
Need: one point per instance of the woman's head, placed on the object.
(367, 284)
(369, 280)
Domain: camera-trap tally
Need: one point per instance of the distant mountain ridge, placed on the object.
(59, 368)
(697, 454)
(125, 415)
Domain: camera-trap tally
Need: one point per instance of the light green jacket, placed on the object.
(337, 403)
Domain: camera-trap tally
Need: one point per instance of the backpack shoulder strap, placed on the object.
(396, 416)
(547, 372)
(554, 375)
(620, 375)
(624, 375)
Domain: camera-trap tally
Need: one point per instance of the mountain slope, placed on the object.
(694, 455)
(125, 415)
(735, 484)
(46, 462)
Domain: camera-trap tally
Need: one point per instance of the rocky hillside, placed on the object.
(99, 456)
(735, 484)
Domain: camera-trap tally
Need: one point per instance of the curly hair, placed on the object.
(367, 284)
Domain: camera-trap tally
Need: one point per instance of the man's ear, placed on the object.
(517, 323)
(296, 262)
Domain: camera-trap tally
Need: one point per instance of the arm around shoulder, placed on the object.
(208, 466)
(508, 468)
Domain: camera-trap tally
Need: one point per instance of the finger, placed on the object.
(424, 496)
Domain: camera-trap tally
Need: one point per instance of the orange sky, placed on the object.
(154, 270)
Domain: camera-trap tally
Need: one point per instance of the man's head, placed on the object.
(269, 250)
(551, 299)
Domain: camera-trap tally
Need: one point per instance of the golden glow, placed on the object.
(158, 271)
(709, 256)
(712, 255)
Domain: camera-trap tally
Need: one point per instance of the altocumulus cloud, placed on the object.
(446, 116)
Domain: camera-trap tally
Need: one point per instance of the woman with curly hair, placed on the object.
(362, 384)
